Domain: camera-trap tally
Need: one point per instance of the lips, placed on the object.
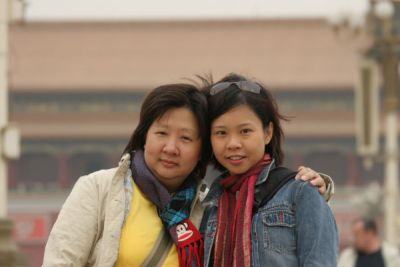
(168, 163)
(235, 159)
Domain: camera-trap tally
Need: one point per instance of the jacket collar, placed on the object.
(216, 189)
(125, 160)
(265, 172)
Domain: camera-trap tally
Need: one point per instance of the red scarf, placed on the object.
(233, 240)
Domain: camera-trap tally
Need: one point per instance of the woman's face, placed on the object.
(238, 139)
(173, 147)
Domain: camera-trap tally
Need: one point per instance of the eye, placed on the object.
(220, 133)
(161, 133)
(187, 139)
(246, 131)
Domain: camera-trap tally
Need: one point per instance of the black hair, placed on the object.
(263, 105)
(167, 97)
(369, 224)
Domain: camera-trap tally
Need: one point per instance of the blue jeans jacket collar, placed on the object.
(216, 189)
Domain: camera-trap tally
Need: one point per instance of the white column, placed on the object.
(3, 103)
(391, 177)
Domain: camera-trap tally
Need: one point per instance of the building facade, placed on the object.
(76, 89)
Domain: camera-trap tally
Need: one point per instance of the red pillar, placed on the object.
(12, 175)
(298, 160)
(353, 172)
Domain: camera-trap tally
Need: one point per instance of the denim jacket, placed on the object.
(295, 228)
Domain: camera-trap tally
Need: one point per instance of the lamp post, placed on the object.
(387, 45)
(9, 146)
(3, 103)
(384, 24)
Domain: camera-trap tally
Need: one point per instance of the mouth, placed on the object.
(168, 163)
(235, 159)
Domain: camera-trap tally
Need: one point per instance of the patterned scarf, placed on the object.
(233, 240)
(173, 210)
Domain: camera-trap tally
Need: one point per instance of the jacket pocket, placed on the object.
(279, 232)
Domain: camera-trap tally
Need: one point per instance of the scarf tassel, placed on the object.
(192, 253)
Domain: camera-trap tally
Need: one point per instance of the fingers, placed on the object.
(308, 174)
(299, 170)
(322, 189)
(305, 173)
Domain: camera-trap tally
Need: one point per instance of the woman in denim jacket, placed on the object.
(294, 228)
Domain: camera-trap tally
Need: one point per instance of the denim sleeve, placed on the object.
(317, 236)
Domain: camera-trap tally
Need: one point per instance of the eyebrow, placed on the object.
(188, 130)
(246, 124)
(218, 126)
(240, 125)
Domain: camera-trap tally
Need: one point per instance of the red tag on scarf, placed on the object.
(186, 233)
(189, 244)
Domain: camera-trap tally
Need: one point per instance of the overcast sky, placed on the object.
(188, 9)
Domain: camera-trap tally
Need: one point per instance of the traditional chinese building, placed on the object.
(76, 89)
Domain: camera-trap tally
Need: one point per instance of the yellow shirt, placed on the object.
(140, 232)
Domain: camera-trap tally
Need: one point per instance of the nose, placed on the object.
(170, 147)
(234, 142)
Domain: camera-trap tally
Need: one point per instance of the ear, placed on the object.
(268, 132)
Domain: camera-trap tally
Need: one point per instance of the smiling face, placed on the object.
(173, 147)
(238, 139)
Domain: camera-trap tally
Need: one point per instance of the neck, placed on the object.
(171, 188)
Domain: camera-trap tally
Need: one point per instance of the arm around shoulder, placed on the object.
(73, 234)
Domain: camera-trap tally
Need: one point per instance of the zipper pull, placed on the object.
(203, 192)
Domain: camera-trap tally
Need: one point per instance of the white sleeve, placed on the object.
(73, 234)
(330, 186)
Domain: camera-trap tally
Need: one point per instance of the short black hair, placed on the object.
(369, 224)
(263, 105)
(167, 97)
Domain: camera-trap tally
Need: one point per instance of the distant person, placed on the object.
(368, 249)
